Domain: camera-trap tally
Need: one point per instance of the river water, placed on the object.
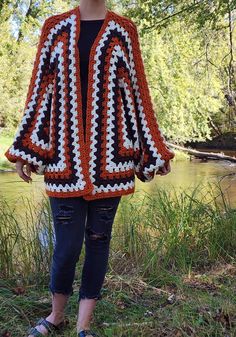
(184, 175)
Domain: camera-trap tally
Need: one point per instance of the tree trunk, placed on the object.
(200, 154)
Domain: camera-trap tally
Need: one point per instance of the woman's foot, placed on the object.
(55, 319)
(59, 302)
(86, 333)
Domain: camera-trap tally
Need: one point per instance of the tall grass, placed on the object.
(26, 240)
(168, 233)
(160, 235)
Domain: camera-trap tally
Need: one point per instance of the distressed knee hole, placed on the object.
(96, 236)
(65, 214)
(102, 208)
(105, 213)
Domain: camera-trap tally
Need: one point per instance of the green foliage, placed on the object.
(185, 96)
(13, 72)
(159, 14)
(192, 86)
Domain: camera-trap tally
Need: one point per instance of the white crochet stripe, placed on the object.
(80, 184)
(116, 187)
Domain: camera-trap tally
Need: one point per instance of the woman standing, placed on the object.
(89, 127)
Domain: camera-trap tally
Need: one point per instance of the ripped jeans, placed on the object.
(75, 221)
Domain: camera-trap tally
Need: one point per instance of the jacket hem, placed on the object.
(109, 194)
(89, 196)
(67, 194)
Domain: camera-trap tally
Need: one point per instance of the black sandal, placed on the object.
(49, 326)
(84, 333)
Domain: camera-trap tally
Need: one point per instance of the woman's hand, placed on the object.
(21, 173)
(165, 169)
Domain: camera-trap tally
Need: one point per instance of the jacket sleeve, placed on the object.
(31, 141)
(154, 150)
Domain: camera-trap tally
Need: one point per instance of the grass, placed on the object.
(202, 306)
(171, 269)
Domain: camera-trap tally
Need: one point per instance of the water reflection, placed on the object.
(187, 175)
(14, 189)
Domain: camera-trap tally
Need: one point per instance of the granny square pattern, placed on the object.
(123, 138)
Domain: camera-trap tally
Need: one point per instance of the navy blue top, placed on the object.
(88, 33)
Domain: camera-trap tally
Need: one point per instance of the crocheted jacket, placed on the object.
(123, 138)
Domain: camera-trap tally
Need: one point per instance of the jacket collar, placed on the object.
(109, 15)
(78, 13)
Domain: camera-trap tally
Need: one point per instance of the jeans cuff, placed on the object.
(82, 295)
(61, 291)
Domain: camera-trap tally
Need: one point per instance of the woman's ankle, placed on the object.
(56, 317)
(83, 326)
(85, 314)
(59, 302)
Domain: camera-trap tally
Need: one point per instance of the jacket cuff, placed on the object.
(34, 167)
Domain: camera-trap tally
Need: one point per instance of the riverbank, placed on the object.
(226, 142)
(171, 271)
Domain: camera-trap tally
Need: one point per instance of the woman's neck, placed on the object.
(92, 9)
